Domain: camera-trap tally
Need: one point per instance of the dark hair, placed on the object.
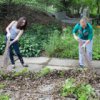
(19, 26)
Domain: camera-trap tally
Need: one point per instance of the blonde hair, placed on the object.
(85, 19)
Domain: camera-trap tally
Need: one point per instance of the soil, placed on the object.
(48, 87)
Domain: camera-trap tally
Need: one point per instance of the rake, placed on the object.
(86, 59)
(6, 54)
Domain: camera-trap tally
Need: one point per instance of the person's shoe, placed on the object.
(81, 66)
(25, 65)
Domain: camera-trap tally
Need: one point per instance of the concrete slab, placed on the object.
(59, 68)
(54, 62)
(35, 67)
(31, 67)
(36, 60)
(63, 62)
(96, 64)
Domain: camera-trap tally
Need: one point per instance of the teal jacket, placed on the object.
(85, 34)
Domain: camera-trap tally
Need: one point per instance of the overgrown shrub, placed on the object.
(61, 45)
(29, 47)
(31, 43)
(96, 44)
(81, 91)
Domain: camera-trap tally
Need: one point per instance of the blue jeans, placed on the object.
(15, 46)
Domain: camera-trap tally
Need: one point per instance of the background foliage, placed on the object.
(43, 37)
(43, 40)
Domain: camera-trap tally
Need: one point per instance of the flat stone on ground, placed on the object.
(36, 60)
(63, 62)
(96, 64)
(31, 67)
(59, 68)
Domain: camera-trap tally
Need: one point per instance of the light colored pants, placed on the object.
(88, 51)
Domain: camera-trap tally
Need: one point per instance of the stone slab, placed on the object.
(36, 60)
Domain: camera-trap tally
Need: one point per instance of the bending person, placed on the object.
(14, 31)
(84, 38)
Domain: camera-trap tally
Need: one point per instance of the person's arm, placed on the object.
(75, 37)
(75, 31)
(8, 27)
(90, 36)
(17, 37)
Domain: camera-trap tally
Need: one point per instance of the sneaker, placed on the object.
(81, 66)
(25, 65)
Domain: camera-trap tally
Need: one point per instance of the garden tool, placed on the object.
(85, 58)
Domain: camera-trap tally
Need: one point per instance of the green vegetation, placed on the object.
(21, 73)
(96, 44)
(82, 91)
(44, 72)
(50, 40)
(2, 44)
(4, 97)
(2, 86)
(77, 84)
(32, 41)
(59, 5)
(65, 46)
(12, 75)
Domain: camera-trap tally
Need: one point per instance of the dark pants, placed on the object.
(15, 46)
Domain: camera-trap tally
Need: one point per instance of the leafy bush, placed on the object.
(61, 45)
(29, 47)
(4, 97)
(65, 46)
(81, 91)
(31, 43)
(53, 44)
(96, 44)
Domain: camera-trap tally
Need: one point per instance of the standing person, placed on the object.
(14, 31)
(84, 38)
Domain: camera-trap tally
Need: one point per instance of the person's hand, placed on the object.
(76, 37)
(84, 45)
(80, 42)
(11, 42)
(8, 35)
